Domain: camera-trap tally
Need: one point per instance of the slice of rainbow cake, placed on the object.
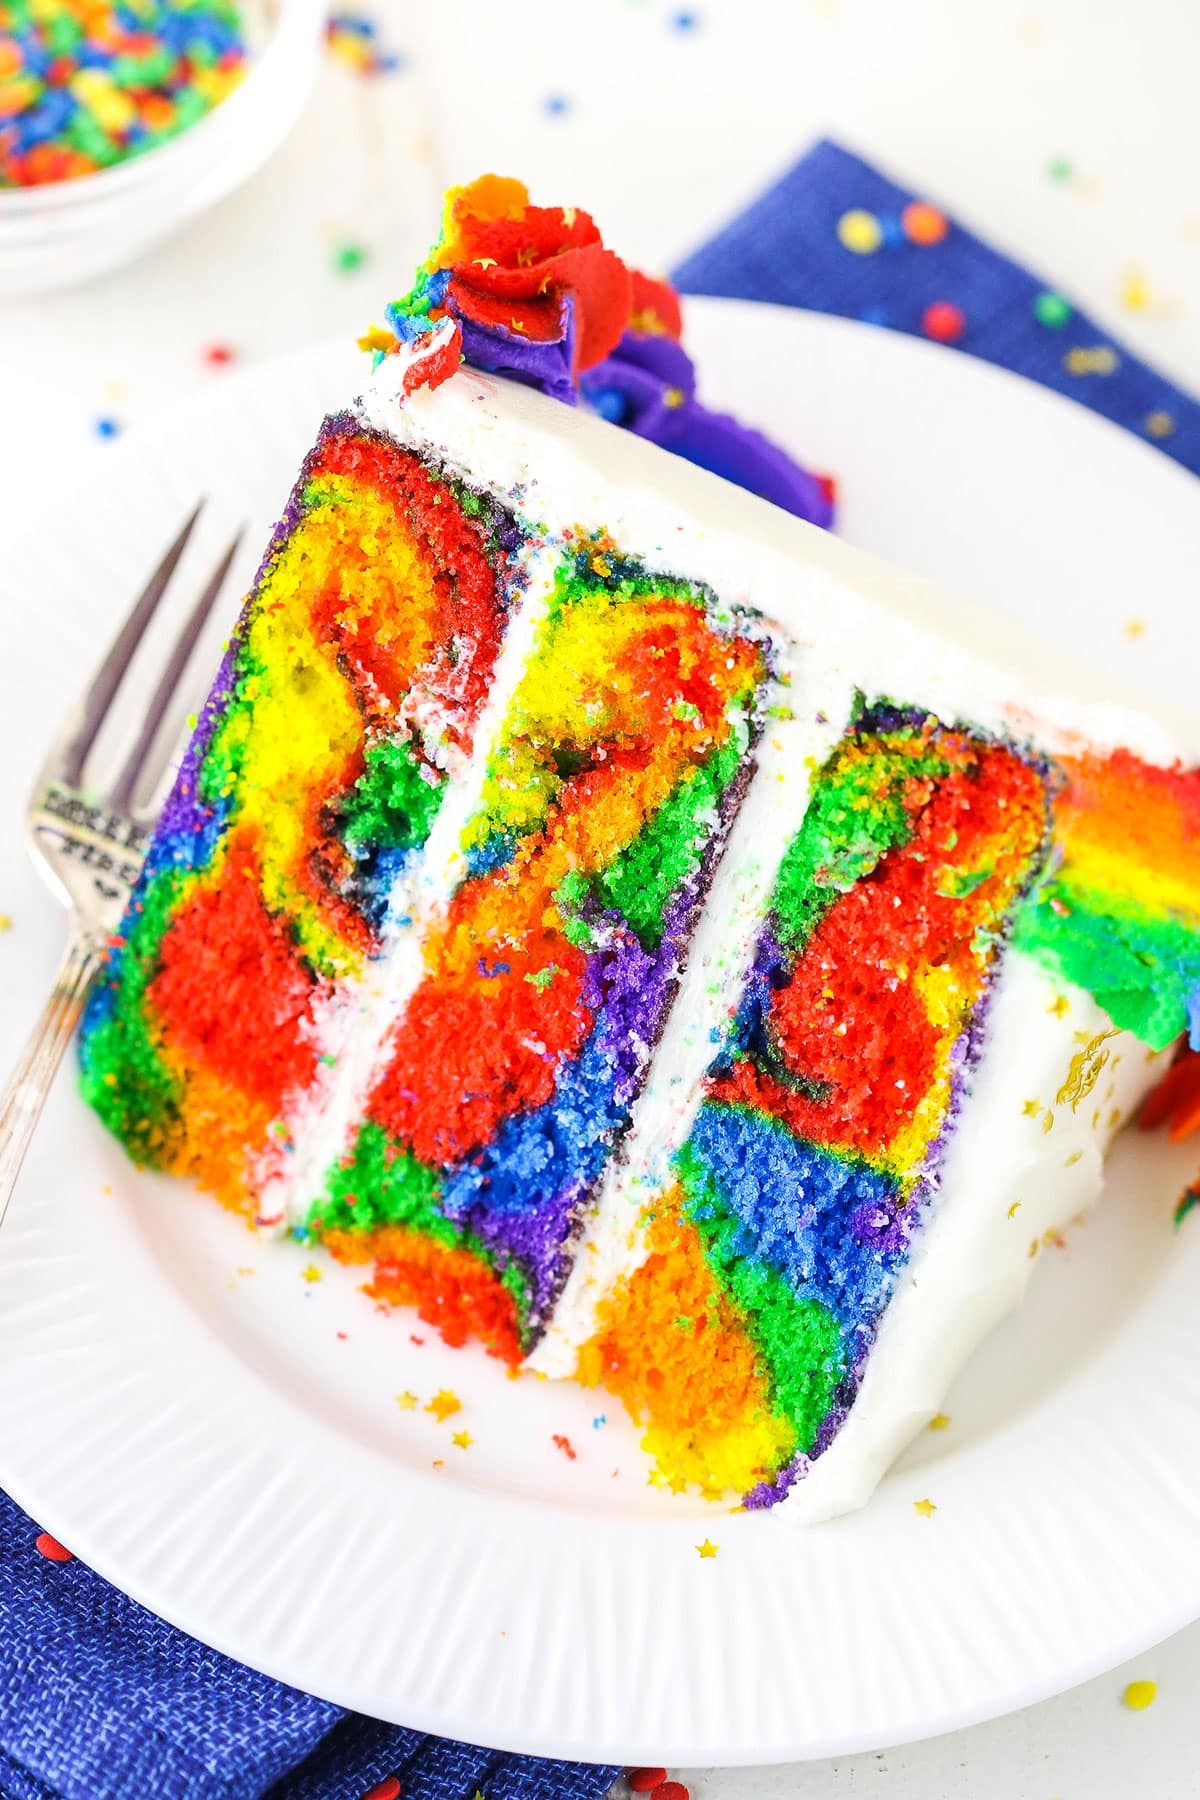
(652, 938)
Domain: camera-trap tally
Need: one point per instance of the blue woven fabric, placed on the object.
(99, 1699)
(785, 248)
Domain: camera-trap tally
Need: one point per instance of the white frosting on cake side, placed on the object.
(843, 622)
(1006, 1181)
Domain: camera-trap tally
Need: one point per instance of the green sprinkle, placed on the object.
(1052, 310)
(349, 257)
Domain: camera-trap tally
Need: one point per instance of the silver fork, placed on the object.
(89, 843)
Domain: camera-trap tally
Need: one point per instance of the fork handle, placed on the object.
(25, 1094)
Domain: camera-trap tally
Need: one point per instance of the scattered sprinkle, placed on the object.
(1136, 628)
(312, 1273)
(387, 1789)
(706, 1551)
(859, 231)
(1139, 1695)
(565, 1445)
(1014, 1209)
(1060, 168)
(925, 1508)
(6, 923)
(444, 1405)
(943, 321)
(407, 1401)
(462, 1440)
(924, 224)
(1134, 291)
(51, 1549)
(1099, 359)
(218, 356)
(349, 257)
(106, 427)
(684, 21)
(1052, 310)
(1159, 424)
(1060, 1006)
(556, 105)
(599, 1420)
(940, 1422)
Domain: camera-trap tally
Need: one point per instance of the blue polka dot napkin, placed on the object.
(787, 247)
(98, 1698)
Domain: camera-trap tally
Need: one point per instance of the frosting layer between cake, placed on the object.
(622, 890)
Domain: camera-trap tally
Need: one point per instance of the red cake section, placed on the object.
(232, 990)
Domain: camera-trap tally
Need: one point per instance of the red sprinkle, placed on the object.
(943, 321)
(217, 355)
(387, 1789)
(52, 1550)
(671, 1790)
(645, 1781)
(565, 1445)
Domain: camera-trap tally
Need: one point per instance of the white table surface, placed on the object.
(663, 129)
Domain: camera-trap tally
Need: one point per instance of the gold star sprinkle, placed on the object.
(1014, 1209)
(1032, 1108)
(1060, 1007)
(407, 1402)
(707, 1550)
(485, 262)
(312, 1273)
(515, 324)
(443, 1405)
(926, 1508)
(376, 338)
(462, 1440)
(939, 1422)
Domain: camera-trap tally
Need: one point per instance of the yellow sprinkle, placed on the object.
(674, 397)
(1014, 1209)
(1100, 359)
(444, 1404)
(312, 1273)
(925, 1508)
(1060, 1007)
(1139, 1695)
(1033, 1249)
(407, 1402)
(5, 922)
(706, 1550)
(1136, 628)
(939, 1422)
(462, 1440)
(376, 338)
(1135, 291)
(515, 324)
(1160, 424)
(1073, 1159)
(1032, 1108)
(568, 216)
(600, 567)
(1048, 1123)
(860, 231)
(485, 262)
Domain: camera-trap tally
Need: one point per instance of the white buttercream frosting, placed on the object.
(842, 621)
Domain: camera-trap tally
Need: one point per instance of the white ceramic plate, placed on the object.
(219, 1434)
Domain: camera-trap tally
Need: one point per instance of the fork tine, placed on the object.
(127, 781)
(112, 670)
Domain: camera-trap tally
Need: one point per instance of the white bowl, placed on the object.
(67, 231)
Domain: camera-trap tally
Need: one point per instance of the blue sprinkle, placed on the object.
(598, 1422)
(684, 21)
(891, 229)
(874, 315)
(556, 105)
(106, 428)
